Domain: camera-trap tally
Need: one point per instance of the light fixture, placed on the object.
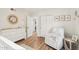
(76, 13)
(12, 9)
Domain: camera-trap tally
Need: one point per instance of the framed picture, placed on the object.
(62, 18)
(12, 19)
(74, 37)
(57, 18)
(68, 18)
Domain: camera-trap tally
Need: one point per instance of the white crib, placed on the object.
(13, 34)
(6, 44)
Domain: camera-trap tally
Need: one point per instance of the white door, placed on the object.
(30, 26)
(46, 24)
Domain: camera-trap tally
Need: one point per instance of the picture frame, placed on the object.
(62, 18)
(74, 37)
(67, 18)
(57, 18)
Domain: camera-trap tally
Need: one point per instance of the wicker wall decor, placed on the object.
(13, 19)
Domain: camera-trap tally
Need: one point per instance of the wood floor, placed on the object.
(37, 43)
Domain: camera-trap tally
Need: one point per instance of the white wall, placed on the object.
(71, 27)
(4, 13)
(13, 34)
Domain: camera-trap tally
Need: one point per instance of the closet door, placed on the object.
(43, 25)
(30, 26)
(46, 24)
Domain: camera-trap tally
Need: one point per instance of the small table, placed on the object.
(70, 44)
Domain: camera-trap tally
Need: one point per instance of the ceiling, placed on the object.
(38, 10)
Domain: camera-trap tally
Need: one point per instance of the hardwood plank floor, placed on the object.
(37, 43)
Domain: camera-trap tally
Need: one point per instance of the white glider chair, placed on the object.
(54, 37)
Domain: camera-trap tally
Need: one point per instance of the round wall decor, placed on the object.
(12, 19)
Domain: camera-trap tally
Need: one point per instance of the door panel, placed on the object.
(30, 26)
